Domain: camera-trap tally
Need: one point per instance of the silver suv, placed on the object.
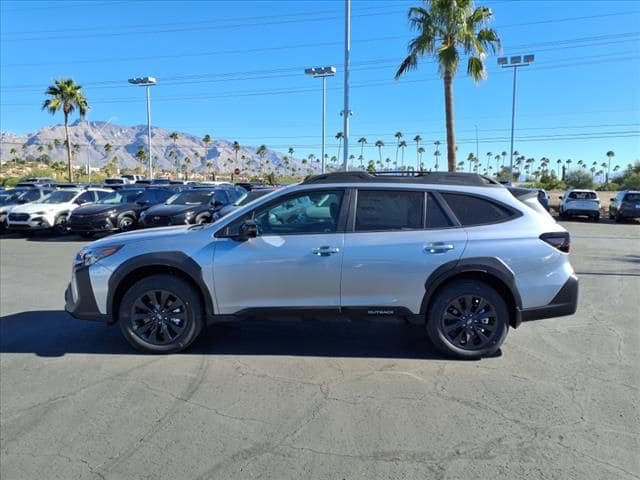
(464, 256)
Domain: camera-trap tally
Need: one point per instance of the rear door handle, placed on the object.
(438, 247)
(325, 251)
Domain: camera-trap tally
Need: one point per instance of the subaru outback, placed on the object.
(458, 253)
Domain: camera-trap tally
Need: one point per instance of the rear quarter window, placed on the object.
(632, 197)
(471, 210)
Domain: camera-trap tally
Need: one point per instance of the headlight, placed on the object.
(188, 214)
(88, 256)
(112, 212)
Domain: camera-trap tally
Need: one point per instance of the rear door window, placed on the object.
(436, 216)
(471, 210)
(379, 210)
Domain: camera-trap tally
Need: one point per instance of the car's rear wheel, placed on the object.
(468, 320)
(126, 223)
(596, 218)
(161, 314)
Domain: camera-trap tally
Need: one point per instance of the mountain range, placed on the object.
(90, 138)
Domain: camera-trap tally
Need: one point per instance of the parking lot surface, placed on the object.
(325, 400)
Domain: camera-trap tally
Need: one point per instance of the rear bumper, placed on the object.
(629, 212)
(564, 303)
(582, 212)
(79, 299)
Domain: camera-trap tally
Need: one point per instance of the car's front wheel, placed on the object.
(161, 314)
(60, 225)
(468, 320)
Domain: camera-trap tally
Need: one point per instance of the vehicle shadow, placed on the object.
(55, 333)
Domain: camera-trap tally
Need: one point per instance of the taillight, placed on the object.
(559, 240)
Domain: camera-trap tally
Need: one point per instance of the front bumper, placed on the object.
(39, 222)
(79, 299)
(564, 303)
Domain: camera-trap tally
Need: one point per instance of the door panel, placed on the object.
(390, 268)
(278, 271)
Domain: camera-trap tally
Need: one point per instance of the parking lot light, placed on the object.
(323, 73)
(147, 82)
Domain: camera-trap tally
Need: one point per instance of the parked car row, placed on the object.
(93, 210)
(586, 203)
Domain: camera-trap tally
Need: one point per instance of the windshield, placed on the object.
(195, 197)
(123, 196)
(59, 196)
(583, 195)
(11, 197)
(251, 196)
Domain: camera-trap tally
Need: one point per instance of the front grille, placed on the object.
(19, 217)
(157, 220)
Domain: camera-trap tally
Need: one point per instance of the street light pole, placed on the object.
(514, 62)
(323, 73)
(147, 82)
(347, 55)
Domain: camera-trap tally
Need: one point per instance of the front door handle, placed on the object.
(438, 247)
(325, 251)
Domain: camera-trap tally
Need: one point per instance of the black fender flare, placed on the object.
(171, 261)
(490, 266)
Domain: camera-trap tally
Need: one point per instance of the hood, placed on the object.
(101, 208)
(43, 207)
(163, 210)
(164, 234)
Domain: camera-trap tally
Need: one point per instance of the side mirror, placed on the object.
(22, 201)
(80, 202)
(612, 199)
(560, 197)
(248, 230)
(143, 203)
(216, 203)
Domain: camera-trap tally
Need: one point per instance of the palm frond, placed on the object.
(476, 69)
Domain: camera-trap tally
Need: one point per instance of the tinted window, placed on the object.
(31, 196)
(102, 194)
(632, 197)
(388, 210)
(86, 197)
(583, 195)
(221, 196)
(191, 197)
(309, 212)
(436, 218)
(121, 196)
(60, 196)
(474, 210)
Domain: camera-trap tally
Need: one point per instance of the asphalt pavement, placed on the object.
(321, 400)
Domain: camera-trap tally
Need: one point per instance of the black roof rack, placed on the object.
(447, 178)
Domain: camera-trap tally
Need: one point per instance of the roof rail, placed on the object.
(447, 178)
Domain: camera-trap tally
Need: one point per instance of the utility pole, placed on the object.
(346, 113)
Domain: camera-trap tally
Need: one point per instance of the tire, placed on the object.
(457, 304)
(618, 218)
(59, 226)
(203, 218)
(126, 223)
(156, 333)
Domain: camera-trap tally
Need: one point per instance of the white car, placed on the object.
(53, 210)
(580, 202)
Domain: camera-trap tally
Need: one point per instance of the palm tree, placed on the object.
(261, 151)
(209, 166)
(362, 141)
(141, 156)
(185, 167)
(379, 144)
(610, 155)
(236, 150)
(470, 158)
(417, 139)
(489, 155)
(559, 162)
(68, 96)
(206, 140)
(568, 163)
(339, 137)
(403, 145)
(446, 29)
(437, 155)
(291, 151)
(398, 136)
(497, 159)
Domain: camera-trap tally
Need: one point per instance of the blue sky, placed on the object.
(235, 70)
